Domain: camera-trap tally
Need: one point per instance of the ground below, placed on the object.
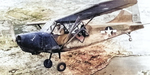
(84, 60)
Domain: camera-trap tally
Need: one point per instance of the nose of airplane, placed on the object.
(30, 42)
(18, 39)
(27, 39)
(36, 42)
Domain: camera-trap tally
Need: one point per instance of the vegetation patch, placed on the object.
(7, 43)
(32, 14)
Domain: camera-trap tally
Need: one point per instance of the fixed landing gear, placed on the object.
(130, 39)
(61, 66)
(48, 64)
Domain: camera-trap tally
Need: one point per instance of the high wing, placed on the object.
(36, 24)
(97, 9)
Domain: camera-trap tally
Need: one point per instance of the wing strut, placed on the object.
(75, 25)
(77, 32)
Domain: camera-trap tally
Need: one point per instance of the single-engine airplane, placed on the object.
(55, 37)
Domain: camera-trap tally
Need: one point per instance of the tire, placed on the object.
(130, 39)
(48, 63)
(61, 66)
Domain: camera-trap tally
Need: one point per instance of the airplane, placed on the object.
(56, 36)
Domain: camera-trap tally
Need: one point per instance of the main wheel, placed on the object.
(61, 66)
(48, 63)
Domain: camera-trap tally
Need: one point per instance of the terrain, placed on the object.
(84, 60)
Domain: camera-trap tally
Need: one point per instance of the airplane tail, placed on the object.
(123, 16)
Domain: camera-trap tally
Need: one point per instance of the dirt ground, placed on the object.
(131, 65)
(83, 60)
(86, 60)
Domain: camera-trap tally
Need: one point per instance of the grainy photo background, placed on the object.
(13, 61)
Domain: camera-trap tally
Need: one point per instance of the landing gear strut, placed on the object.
(130, 39)
(48, 63)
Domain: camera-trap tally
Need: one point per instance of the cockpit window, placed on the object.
(58, 29)
(47, 27)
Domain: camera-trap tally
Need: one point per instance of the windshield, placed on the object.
(47, 27)
(55, 28)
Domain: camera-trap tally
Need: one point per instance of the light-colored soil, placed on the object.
(85, 60)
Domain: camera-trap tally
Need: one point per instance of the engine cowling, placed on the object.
(36, 42)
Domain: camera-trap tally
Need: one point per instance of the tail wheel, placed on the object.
(48, 63)
(61, 66)
(130, 39)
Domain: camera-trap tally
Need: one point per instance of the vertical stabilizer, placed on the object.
(123, 16)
